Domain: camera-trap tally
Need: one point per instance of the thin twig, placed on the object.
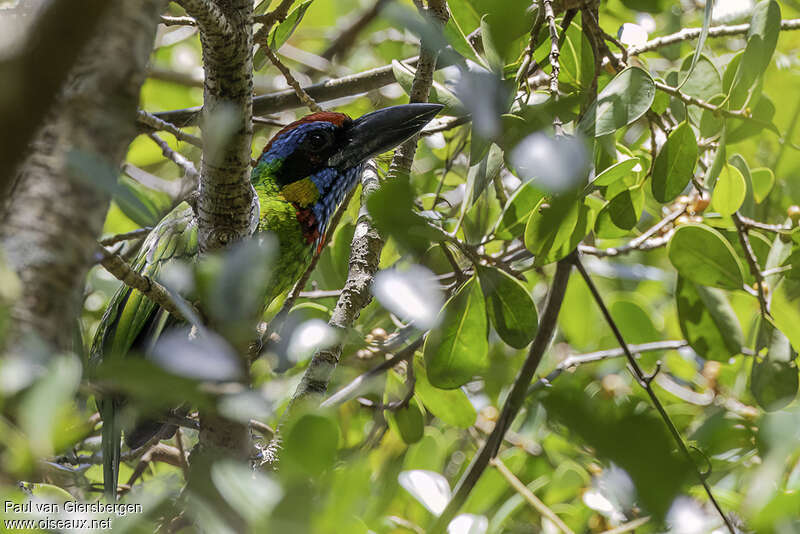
(177, 21)
(354, 387)
(115, 265)
(693, 33)
(528, 495)
(304, 97)
(150, 120)
(528, 63)
(775, 228)
(320, 294)
(645, 382)
(554, 64)
(646, 241)
(752, 263)
(182, 452)
(133, 234)
(572, 362)
(349, 35)
(177, 158)
(628, 527)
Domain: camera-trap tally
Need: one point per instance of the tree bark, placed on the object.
(225, 203)
(55, 211)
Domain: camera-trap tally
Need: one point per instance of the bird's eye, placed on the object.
(317, 141)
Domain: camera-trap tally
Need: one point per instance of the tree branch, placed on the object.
(645, 382)
(351, 85)
(208, 15)
(528, 495)
(515, 399)
(55, 41)
(364, 257)
(693, 33)
(55, 214)
(148, 287)
(224, 207)
(293, 83)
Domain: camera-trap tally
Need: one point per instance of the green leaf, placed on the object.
(711, 123)
(703, 83)
(554, 229)
(633, 319)
(765, 27)
(615, 172)
(720, 158)
(729, 192)
(620, 214)
(465, 14)
(493, 56)
(793, 261)
(458, 350)
(311, 443)
(250, 492)
(773, 383)
(648, 6)
(451, 405)
(518, 211)
(510, 307)
(626, 98)
(481, 174)
(763, 180)
(702, 255)
(707, 321)
(576, 59)
(281, 33)
(455, 36)
(674, 165)
(408, 422)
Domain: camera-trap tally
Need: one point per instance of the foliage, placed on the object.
(674, 176)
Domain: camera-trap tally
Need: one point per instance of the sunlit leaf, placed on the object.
(457, 350)
(702, 255)
(707, 321)
(615, 172)
(763, 180)
(518, 210)
(674, 164)
(730, 190)
(450, 405)
(620, 214)
(428, 487)
(510, 307)
(701, 40)
(555, 164)
(626, 98)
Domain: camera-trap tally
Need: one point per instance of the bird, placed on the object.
(303, 173)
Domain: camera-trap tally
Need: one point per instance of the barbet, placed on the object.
(302, 175)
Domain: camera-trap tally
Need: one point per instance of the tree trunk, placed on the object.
(56, 211)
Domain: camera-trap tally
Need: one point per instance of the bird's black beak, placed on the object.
(381, 130)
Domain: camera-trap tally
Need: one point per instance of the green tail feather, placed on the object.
(112, 434)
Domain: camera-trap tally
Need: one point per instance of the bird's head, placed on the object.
(315, 161)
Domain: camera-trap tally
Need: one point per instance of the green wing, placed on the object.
(130, 315)
(134, 321)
